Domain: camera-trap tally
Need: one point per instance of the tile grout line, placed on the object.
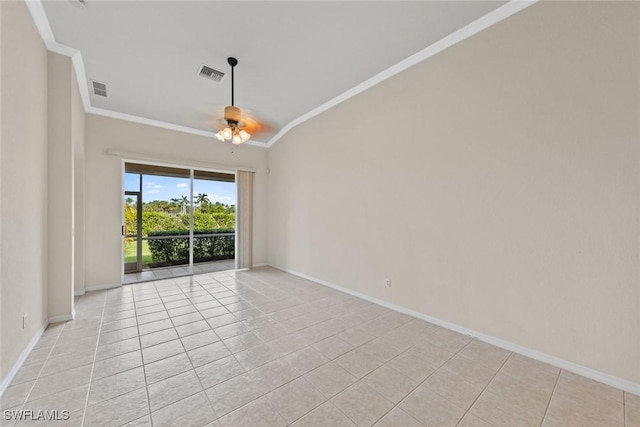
(26, 398)
(179, 287)
(485, 387)
(359, 380)
(179, 276)
(185, 349)
(239, 290)
(144, 370)
(553, 392)
(95, 354)
(58, 336)
(624, 409)
(401, 373)
(431, 374)
(301, 376)
(247, 372)
(238, 362)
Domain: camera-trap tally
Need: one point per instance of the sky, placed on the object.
(166, 188)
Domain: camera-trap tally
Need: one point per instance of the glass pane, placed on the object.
(130, 233)
(165, 220)
(213, 219)
(131, 182)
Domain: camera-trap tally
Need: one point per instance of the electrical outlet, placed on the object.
(388, 283)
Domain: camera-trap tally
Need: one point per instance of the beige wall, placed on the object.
(1, 212)
(496, 184)
(103, 184)
(61, 186)
(23, 181)
(78, 135)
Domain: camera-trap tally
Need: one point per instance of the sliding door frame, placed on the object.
(185, 167)
(138, 196)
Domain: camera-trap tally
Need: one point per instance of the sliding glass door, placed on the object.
(184, 221)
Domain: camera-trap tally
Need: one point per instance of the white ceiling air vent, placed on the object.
(210, 73)
(99, 88)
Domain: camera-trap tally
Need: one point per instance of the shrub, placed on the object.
(210, 221)
(160, 222)
(208, 245)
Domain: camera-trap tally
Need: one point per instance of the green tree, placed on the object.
(130, 219)
(157, 206)
(218, 207)
(175, 206)
(184, 200)
(202, 199)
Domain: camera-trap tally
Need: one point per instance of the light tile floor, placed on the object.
(265, 348)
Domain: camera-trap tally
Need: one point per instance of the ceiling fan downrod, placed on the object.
(232, 115)
(233, 62)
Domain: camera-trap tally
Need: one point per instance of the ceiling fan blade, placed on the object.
(255, 126)
(211, 117)
(205, 117)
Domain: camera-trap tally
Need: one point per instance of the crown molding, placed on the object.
(161, 124)
(44, 28)
(484, 22)
(42, 24)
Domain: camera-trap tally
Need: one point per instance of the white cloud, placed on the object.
(182, 185)
(153, 191)
(153, 185)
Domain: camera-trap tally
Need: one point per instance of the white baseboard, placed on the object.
(593, 374)
(23, 356)
(62, 317)
(102, 287)
(263, 264)
(79, 293)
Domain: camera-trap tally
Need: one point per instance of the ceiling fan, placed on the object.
(239, 126)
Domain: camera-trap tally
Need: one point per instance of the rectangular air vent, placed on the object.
(99, 89)
(210, 73)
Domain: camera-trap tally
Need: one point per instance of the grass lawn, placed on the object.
(130, 252)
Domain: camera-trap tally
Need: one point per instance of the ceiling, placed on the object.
(293, 56)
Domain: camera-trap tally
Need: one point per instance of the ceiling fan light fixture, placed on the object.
(244, 135)
(233, 116)
(233, 133)
(227, 133)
